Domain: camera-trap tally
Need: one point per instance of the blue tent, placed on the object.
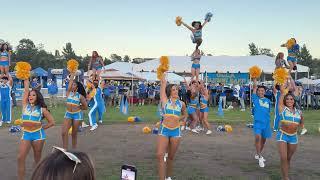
(40, 72)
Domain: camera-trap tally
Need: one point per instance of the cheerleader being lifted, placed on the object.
(195, 28)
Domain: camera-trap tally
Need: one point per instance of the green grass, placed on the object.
(148, 114)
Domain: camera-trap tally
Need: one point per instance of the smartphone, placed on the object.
(128, 172)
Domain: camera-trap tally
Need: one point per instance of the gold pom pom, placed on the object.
(178, 20)
(18, 122)
(23, 70)
(163, 67)
(72, 65)
(146, 130)
(280, 76)
(228, 128)
(255, 72)
(290, 43)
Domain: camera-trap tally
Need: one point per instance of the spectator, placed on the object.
(142, 92)
(13, 95)
(151, 93)
(222, 96)
(35, 84)
(213, 93)
(112, 91)
(242, 97)
(106, 94)
(63, 165)
(53, 92)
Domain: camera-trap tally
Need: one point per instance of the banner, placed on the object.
(228, 78)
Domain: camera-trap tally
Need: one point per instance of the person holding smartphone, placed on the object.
(169, 132)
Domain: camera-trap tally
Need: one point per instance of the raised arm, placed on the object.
(49, 118)
(10, 80)
(204, 23)
(255, 86)
(70, 83)
(187, 26)
(163, 85)
(281, 105)
(26, 93)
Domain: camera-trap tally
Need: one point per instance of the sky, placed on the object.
(146, 28)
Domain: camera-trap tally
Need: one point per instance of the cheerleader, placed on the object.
(196, 29)
(195, 68)
(293, 50)
(280, 62)
(261, 125)
(34, 110)
(290, 120)
(96, 63)
(204, 110)
(76, 102)
(169, 132)
(193, 106)
(5, 59)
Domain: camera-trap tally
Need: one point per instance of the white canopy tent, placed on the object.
(152, 77)
(124, 67)
(220, 64)
(306, 81)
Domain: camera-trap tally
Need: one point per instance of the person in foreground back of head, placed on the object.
(63, 165)
(261, 125)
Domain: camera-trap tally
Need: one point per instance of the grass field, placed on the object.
(148, 114)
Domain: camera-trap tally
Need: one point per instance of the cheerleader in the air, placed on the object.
(293, 50)
(196, 28)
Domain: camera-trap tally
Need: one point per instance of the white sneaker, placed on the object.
(242, 110)
(100, 122)
(183, 128)
(94, 127)
(261, 162)
(8, 122)
(257, 157)
(0, 123)
(304, 131)
(168, 178)
(188, 128)
(208, 132)
(195, 131)
(84, 125)
(165, 157)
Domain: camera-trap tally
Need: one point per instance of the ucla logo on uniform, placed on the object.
(263, 104)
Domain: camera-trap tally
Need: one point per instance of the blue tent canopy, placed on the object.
(40, 72)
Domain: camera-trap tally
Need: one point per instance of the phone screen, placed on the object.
(127, 174)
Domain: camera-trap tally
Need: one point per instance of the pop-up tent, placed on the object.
(152, 77)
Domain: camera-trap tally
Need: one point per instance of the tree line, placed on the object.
(37, 56)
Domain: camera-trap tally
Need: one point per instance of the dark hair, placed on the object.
(40, 100)
(278, 87)
(58, 166)
(5, 78)
(95, 54)
(193, 24)
(278, 55)
(261, 86)
(285, 97)
(80, 89)
(168, 89)
(2, 47)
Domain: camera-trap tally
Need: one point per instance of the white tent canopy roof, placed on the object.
(152, 77)
(221, 64)
(306, 81)
(124, 67)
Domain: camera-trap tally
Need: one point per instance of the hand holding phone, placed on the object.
(128, 172)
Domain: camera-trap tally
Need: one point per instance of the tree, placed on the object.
(68, 52)
(126, 58)
(115, 58)
(107, 61)
(26, 51)
(253, 49)
(304, 56)
(265, 51)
